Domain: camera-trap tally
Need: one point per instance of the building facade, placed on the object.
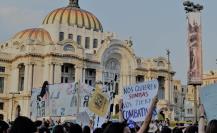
(209, 78)
(71, 46)
(179, 100)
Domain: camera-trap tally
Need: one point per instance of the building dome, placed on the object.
(34, 34)
(72, 15)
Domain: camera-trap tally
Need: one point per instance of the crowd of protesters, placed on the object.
(25, 125)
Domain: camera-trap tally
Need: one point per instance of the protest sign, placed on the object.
(137, 99)
(98, 103)
(62, 101)
(208, 97)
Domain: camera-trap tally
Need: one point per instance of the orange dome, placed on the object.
(34, 34)
(73, 15)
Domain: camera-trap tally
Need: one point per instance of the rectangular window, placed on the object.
(95, 43)
(116, 88)
(1, 106)
(90, 82)
(70, 36)
(79, 40)
(87, 42)
(90, 73)
(61, 36)
(61, 79)
(62, 69)
(66, 79)
(1, 84)
(66, 69)
(2, 69)
(139, 78)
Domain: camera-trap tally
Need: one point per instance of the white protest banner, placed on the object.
(83, 118)
(38, 108)
(208, 97)
(137, 99)
(63, 99)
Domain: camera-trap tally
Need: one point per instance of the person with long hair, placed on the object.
(44, 91)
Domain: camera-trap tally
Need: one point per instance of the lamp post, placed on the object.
(12, 101)
(195, 49)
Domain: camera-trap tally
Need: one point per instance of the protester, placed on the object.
(44, 91)
(98, 130)
(23, 125)
(212, 127)
(191, 129)
(161, 116)
(75, 128)
(3, 126)
(165, 129)
(58, 129)
(86, 129)
(177, 130)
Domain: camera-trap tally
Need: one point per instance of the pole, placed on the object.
(12, 105)
(168, 67)
(78, 99)
(195, 102)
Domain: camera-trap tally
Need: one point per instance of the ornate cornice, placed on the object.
(49, 55)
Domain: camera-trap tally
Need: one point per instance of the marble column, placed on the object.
(26, 77)
(58, 73)
(167, 92)
(99, 74)
(30, 79)
(78, 73)
(51, 73)
(46, 73)
(83, 75)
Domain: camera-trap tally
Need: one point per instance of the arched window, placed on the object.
(161, 64)
(68, 73)
(69, 47)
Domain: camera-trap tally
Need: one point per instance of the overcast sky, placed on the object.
(155, 25)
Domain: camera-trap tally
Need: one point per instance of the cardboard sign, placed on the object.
(137, 99)
(208, 97)
(98, 103)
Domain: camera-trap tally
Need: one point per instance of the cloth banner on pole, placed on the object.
(98, 103)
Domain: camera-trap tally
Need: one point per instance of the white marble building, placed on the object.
(70, 46)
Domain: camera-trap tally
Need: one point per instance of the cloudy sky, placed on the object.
(154, 25)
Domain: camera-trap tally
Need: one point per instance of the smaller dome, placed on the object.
(34, 34)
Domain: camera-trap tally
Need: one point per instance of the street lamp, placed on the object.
(190, 9)
(12, 101)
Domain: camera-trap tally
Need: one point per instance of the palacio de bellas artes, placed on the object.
(70, 45)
